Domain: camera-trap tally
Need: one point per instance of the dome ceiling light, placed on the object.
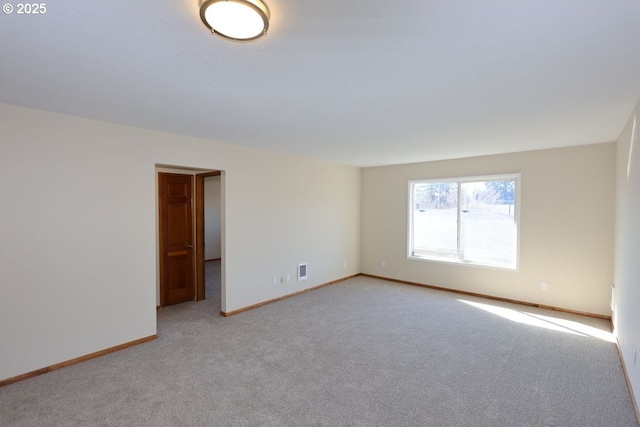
(235, 19)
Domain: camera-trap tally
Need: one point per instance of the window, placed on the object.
(465, 220)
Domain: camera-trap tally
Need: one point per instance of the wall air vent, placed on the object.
(302, 272)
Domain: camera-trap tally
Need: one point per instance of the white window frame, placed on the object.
(460, 180)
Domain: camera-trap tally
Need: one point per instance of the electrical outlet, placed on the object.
(635, 357)
(288, 277)
(274, 281)
(344, 264)
(383, 264)
(543, 286)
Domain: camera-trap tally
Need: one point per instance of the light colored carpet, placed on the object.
(363, 352)
(212, 282)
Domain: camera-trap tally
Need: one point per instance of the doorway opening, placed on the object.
(190, 231)
(209, 228)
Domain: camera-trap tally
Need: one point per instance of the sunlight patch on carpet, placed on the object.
(546, 322)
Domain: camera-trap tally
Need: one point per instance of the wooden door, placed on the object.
(176, 238)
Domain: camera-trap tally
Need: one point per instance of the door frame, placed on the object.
(198, 210)
(200, 242)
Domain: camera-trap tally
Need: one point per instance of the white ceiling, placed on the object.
(360, 82)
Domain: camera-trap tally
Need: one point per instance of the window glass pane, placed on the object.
(435, 219)
(487, 222)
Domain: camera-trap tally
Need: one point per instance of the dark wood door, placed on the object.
(176, 238)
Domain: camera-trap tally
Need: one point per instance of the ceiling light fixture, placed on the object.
(235, 19)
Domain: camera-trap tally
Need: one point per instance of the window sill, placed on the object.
(452, 261)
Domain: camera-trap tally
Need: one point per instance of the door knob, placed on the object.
(190, 246)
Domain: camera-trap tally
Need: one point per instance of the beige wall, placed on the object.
(627, 248)
(78, 233)
(566, 227)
